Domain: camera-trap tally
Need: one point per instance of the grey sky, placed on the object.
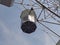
(11, 33)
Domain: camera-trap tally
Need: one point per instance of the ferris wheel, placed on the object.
(45, 12)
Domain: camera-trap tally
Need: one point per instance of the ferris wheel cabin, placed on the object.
(28, 21)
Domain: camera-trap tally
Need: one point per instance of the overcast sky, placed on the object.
(11, 33)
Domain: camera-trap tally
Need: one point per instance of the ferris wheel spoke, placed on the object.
(40, 13)
(48, 9)
(55, 19)
(49, 29)
(44, 14)
(35, 3)
(50, 22)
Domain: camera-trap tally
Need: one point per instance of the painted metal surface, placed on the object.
(7, 3)
(58, 43)
(28, 19)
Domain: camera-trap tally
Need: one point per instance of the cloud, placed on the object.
(11, 38)
(48, 40)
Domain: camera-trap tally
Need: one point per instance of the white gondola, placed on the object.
(28, 19)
